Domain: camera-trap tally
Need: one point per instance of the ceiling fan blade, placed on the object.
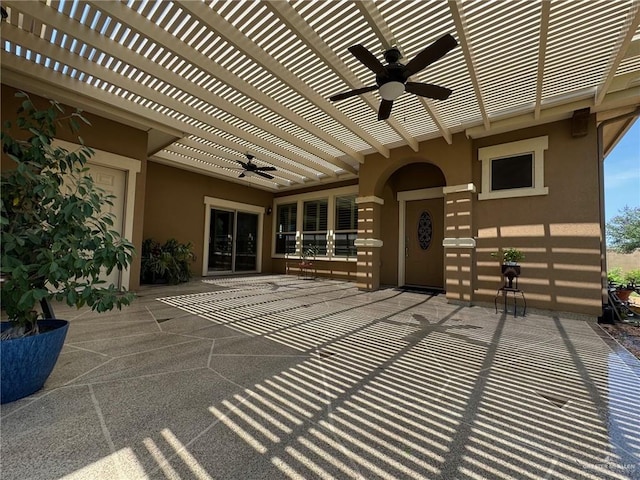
(367, 58)
(267, 169)
(352, 93)
(385, 109)
(428, 90)
(433, 52)
(244, 165)
(265, 175)
(241, 175)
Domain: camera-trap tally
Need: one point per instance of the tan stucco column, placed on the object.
(459, 242)
(368, 242)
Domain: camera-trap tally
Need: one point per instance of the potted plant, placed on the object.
(168, 263)
(627, 285)
(510, 268)
(56, 241)
(509, 256)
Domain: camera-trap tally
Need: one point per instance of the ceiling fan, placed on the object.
(391, 79)
(251, 168)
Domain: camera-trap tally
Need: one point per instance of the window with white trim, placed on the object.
(314, 233)
(514, 169)
(346, 227)
(286, 228)
(320, 224)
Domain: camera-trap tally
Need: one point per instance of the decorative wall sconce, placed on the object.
(269, 210)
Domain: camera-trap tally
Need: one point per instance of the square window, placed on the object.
(315, 215)
(512, 172)
(514, 169)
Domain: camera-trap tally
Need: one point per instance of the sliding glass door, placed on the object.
(233, 238)
(246, 242)
(221, 241)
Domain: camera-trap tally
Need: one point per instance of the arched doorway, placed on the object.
(416, 197)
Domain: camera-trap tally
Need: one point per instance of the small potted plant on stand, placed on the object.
(510, 267)
(57, 242)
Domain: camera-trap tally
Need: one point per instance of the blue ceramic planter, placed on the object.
(27, 362)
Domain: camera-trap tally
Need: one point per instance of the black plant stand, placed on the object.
(511, 274)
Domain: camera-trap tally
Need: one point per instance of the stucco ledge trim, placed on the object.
(368, 243)
(459, 243)
(467, 187)
(370, 199)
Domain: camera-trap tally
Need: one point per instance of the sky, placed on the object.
(622, 174)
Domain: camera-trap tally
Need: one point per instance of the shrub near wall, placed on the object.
(166, 263)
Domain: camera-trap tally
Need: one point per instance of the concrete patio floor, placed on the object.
(275, 377)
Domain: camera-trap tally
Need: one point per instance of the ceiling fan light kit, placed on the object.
(391, 90)
(391, 79)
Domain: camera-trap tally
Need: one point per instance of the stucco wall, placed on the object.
(175, 207)
(452, 159)
(408, 170)
(559, 232)
(103, 134)
(334, 270)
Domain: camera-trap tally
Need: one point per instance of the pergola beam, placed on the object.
(233, 36)
(161, 37)
(127, 84)
(171, 159)
(20, 72)
(89, 37)
(619, 50)
(227, 160)
(461, 27)
(545, 8)
(175, 154)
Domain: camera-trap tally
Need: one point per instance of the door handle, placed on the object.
(406, 247)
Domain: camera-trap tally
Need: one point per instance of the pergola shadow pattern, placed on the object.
(315, 379)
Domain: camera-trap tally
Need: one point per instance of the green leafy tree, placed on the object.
(57, 239)
(623, 231)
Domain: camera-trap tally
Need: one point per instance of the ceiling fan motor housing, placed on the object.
(394, 72)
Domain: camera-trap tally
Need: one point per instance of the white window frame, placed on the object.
(277, 217)
(536, 146)
(329, 195)
(329, 247)
(348, 231)
(222, 204)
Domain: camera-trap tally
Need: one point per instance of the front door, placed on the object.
(424, 233)
(114, 182)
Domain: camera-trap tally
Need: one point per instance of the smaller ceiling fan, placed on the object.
(391, 79)
(251, 168)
